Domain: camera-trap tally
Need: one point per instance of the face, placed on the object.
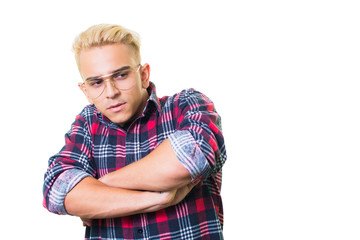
(120, 106)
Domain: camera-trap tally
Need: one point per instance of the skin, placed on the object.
(132, 189)
(98, 61)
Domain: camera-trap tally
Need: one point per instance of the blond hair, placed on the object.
(105, 34)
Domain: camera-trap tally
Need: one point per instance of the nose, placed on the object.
(110, 90)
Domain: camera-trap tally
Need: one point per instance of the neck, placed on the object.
(140, 110)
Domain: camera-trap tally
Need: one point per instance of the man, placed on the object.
(135, 166)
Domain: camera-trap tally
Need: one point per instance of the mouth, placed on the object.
(117, 107)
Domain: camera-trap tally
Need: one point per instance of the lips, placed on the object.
(116, 107)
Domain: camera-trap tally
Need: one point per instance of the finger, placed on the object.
(193, 184)
(86, 222)
(197, 181)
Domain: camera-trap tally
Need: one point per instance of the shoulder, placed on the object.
(86, 118)
(191, 98)
(186, 96)
(88, 113)
(187, 101)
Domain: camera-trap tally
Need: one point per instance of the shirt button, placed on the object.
(140, 231)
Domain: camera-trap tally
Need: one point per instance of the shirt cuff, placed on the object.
(189, 154)
(62, 185)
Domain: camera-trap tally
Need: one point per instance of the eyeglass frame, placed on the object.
(110, 78)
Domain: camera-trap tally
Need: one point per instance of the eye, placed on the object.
(120, 76)
(95, 82)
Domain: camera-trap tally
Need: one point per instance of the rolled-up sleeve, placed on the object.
(198, 141)
(62, 185)
(189, 154)
(68, 167)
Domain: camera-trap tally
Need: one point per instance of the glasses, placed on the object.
(119, 78)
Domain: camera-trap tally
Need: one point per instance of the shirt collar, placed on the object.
(153, 97)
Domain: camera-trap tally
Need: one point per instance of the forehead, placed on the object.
(102, 60)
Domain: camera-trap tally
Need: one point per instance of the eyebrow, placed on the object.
(115, 71)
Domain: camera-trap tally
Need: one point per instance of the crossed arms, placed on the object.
(132, 189)
(194, 151)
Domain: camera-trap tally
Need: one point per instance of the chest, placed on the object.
(116, 148)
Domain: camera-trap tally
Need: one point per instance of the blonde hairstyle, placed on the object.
(105, 34)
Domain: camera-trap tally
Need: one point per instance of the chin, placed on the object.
(120, 120)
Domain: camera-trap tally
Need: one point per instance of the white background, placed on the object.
(284, 75)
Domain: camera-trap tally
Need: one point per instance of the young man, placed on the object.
(135, 166)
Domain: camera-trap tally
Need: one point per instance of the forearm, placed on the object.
(92, 199)
(158, 171)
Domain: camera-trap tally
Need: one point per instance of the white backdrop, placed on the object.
(284, 75)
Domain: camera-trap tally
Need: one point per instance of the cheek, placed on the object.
(134, 95)
(132, 105)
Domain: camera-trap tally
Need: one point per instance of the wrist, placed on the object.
(157, 200)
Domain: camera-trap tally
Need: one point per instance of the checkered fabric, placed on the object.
(95, 146)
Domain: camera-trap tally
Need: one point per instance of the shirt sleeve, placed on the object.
(68, 167)
(198, 141)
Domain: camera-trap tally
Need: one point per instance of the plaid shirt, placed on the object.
(95, 146)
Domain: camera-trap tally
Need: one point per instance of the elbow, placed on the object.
(83, 201)
(70, 205)
(75, 204)
(54, 207)
(76, 207)
(54, 203)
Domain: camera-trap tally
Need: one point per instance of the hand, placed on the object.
(86, 222)
(168, 198)
(182, 192)
(174, 196)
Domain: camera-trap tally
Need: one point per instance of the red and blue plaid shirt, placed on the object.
(95, 146)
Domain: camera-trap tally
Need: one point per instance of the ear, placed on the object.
(83, 89)
(145, 75)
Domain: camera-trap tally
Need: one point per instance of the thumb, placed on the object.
(193, 184)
